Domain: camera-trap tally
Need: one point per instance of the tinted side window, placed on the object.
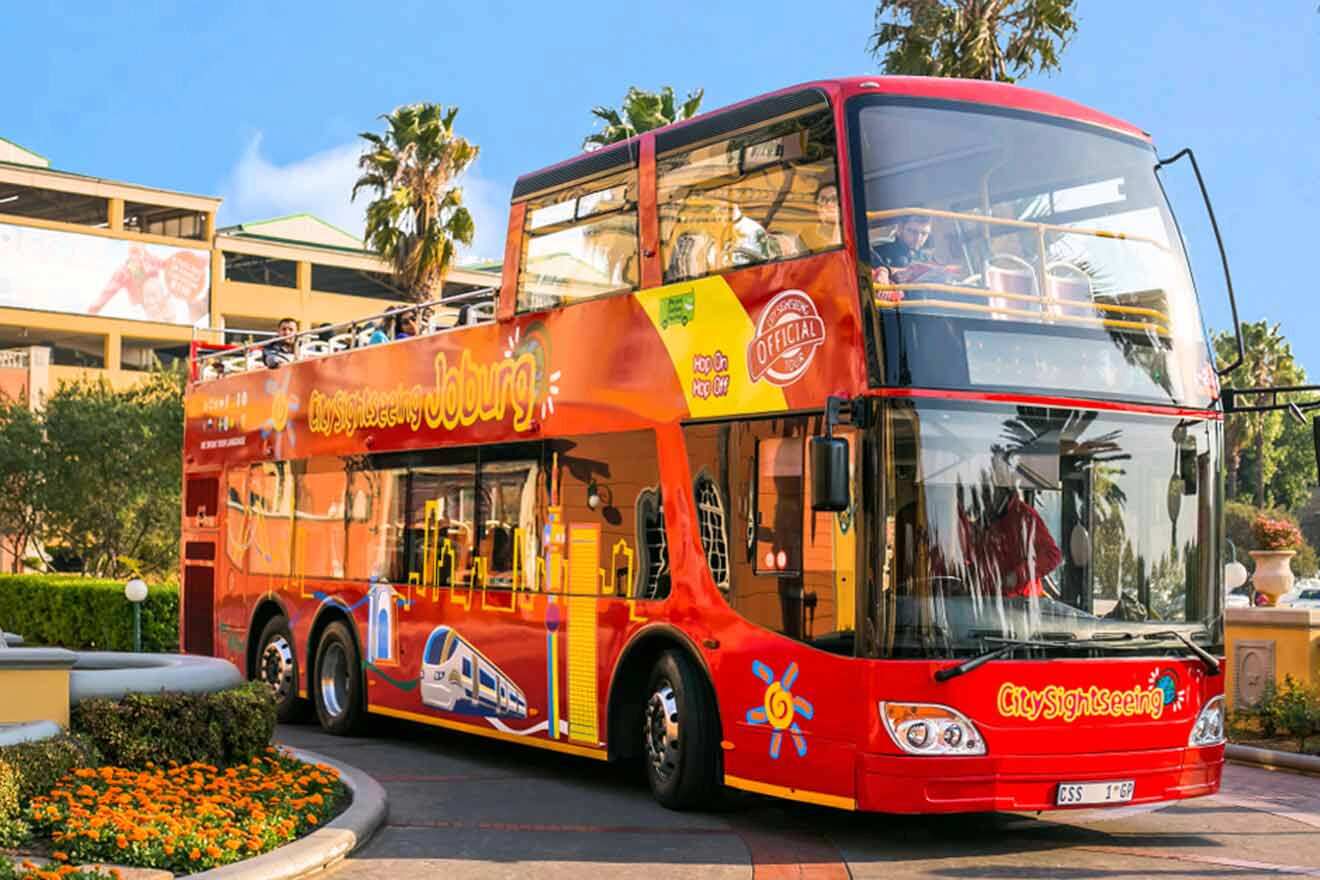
(779, 564)
(580, 243)
(270, 506)
(320, 536)
(764, 195)
(606, 498)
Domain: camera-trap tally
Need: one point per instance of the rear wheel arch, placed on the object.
(628, 685)
(326, 615)
(266, 610)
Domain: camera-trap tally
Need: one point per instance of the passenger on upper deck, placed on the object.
(281, 351)
(407, 324)
(825, 234)
(908, 247)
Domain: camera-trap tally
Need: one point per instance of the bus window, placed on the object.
(236, 518)
(270, 494)
(320, 538)
(580, 243)
(607, 488)
(376, 504)
(780, 564)
(765, 195)
(509, 522)
(779, 475)
(441, 524)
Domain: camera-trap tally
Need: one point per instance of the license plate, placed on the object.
(1073, 793)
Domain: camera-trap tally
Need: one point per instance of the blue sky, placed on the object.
(261, 103)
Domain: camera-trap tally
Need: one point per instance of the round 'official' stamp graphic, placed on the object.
(787, 335)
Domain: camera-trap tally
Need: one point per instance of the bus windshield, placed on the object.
(1045, 524)
(1017, 251)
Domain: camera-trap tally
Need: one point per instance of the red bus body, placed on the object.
(560, 657)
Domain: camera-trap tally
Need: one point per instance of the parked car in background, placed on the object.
(1306, 598)
(1239, 597)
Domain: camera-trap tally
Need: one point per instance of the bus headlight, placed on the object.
(931, 729)
(1209, 727)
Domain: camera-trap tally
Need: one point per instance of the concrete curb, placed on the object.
(323, 847)
(1272, 758)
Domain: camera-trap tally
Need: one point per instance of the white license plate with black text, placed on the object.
(1073, 793)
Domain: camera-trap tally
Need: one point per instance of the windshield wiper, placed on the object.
(1211, 662)
(1007, 647)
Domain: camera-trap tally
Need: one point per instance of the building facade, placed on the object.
(103, 279)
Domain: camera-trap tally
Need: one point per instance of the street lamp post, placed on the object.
(135, 591)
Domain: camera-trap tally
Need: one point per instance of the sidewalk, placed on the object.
(463, 807)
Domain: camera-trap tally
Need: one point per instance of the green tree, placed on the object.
(975, 39)
(114, 468)
(1269, 361)
(416, 218)
(22, 478)
(641, 111)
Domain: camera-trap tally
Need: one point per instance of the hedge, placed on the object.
(87, 613)
(221, 729)
(41, 763)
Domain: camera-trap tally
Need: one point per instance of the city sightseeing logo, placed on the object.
(464, 393)
(1057, 703)
(787, 335)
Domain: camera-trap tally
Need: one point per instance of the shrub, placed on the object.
(83, 613)
(13, 830)
(1275, 534)
(41, 764)
(1293, 709)
(224, 728)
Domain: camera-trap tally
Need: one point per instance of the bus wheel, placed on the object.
(337, 684)
(277, 666)
(678, 732)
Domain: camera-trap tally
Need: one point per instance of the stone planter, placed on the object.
(1273, 575)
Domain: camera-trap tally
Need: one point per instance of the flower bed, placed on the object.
(30, 871)
(185, 818)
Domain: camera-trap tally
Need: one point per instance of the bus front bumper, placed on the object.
(1007, 783)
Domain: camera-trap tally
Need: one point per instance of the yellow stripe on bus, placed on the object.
(580, 751)
(698, 319)
(794, 794)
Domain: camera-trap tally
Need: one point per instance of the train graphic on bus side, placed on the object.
(456, 677)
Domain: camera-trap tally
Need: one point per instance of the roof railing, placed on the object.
(213, 360)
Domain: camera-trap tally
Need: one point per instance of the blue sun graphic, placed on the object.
(780, 708)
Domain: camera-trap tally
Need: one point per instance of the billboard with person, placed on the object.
(91, 275)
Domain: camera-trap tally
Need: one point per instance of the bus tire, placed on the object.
(679, 736)
(337, 682)
(277, 666)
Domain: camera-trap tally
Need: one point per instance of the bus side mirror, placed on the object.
(829, 474)
(1315, 441)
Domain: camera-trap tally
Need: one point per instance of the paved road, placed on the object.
(462, 807)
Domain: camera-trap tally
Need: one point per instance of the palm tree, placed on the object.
(417, 216)
(641, 111)
(976, 39)
(1269, 361)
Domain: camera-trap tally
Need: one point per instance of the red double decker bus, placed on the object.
(857, 444)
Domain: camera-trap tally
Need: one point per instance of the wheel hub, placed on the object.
(661, 732)
(277, 667)
(334, 680)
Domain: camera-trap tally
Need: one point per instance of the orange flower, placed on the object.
(213, 851)
(121, 841)
(194, 854)
(60, 856)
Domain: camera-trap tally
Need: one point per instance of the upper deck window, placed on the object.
(1020, 251)
(580, 243)
(767, 194)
